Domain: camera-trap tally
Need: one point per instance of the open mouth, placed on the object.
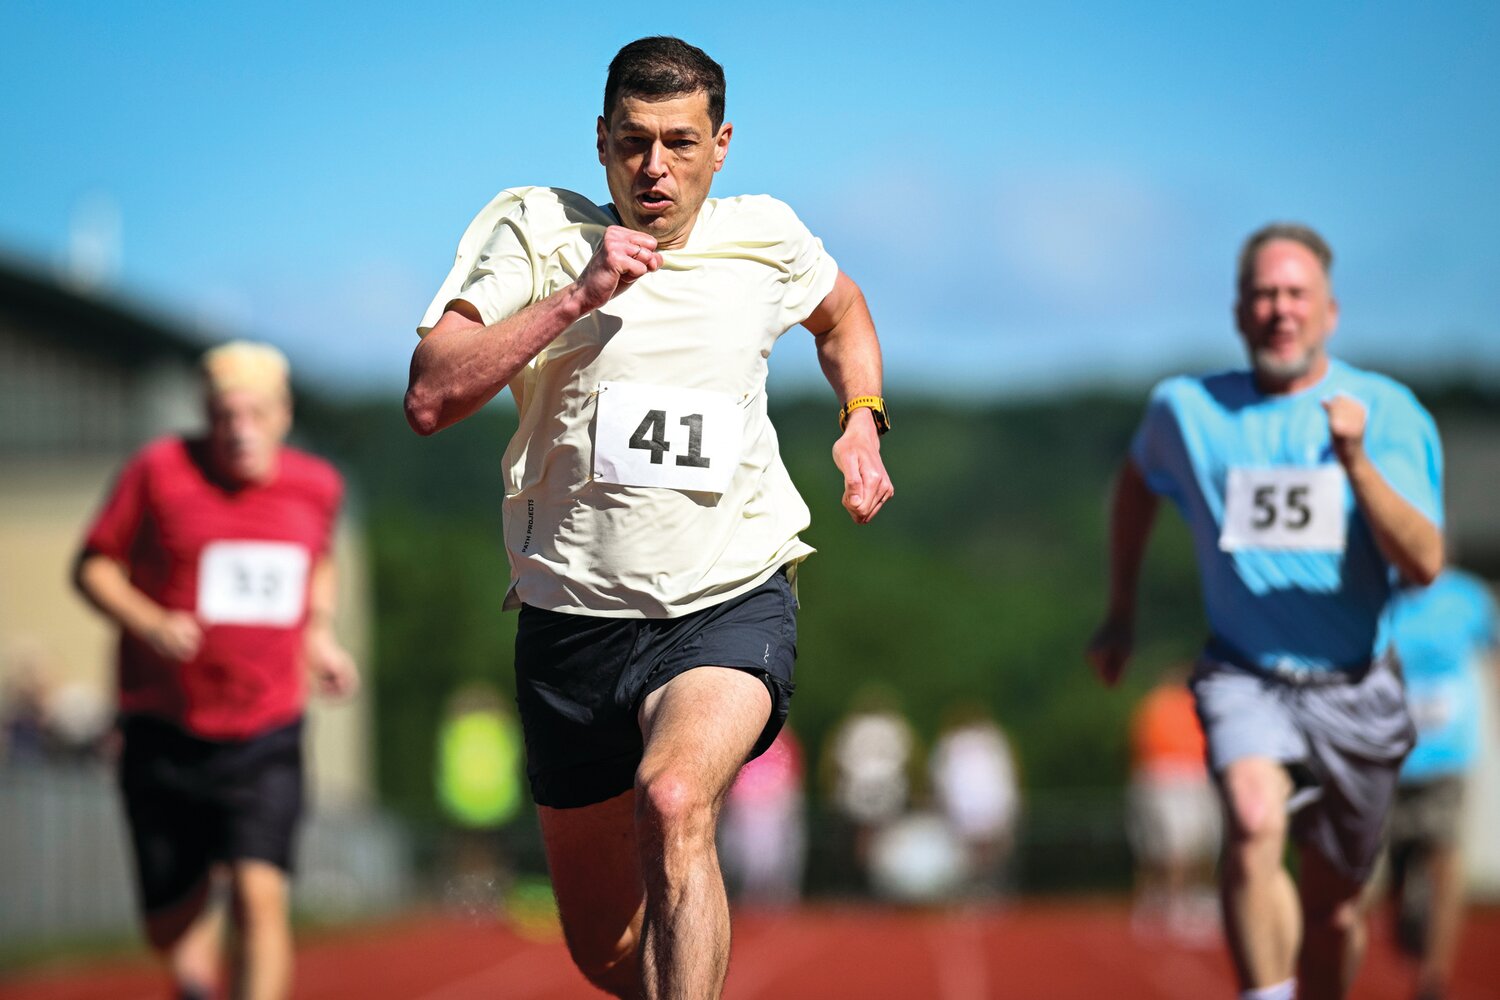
(653, 201)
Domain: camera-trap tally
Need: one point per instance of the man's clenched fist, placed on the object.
(623, 256)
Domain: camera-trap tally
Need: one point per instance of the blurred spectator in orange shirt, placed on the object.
(1173, 820)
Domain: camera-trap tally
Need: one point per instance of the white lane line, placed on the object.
(958, 951)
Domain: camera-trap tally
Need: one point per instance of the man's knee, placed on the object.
(167, 927)
(1336, 915)
(1255, 797)
(613, 967)
(675, 803)
(260, 894)
(194, 962)
(607, 953)
(1331, 900)
(187, 936)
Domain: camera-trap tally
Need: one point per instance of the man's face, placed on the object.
(659, 159)
(1286, 312)
(246, 428)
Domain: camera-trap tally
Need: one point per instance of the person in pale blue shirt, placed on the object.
(1312, 489)
(1445, 635)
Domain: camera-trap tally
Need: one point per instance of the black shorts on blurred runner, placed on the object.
(581, 679)
(192, 803)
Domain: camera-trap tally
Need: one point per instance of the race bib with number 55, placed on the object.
(656, 435)
(252, 583)
(1284, 508)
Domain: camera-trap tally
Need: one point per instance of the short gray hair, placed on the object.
(1294, 232)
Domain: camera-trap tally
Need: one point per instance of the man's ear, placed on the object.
(599, 138)
(721, 145)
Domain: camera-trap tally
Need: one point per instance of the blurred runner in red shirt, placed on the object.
(213, 557)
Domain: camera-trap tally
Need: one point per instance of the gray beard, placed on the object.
(1268, 366)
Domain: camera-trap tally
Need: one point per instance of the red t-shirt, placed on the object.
(241, 560)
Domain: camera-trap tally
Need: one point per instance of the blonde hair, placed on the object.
(246, 364)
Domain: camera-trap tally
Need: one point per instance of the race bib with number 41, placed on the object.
(252, 583)
(1284, 508)
(657, 435)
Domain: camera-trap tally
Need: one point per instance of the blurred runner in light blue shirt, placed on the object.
(1312, 594)
(1443, 633)
(1310, 488)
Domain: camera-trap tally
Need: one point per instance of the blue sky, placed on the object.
(1029, 197)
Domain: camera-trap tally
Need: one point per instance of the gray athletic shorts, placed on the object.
(1342, 743)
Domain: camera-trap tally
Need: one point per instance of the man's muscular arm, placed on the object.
(1404, 535)
(849, 352)
(1132, 515)
(461, 364)
(174, 635)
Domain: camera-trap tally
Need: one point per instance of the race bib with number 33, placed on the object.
(1284, 508)
(656, 435)
(252, 583)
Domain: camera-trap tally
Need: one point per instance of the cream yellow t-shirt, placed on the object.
(644, 480)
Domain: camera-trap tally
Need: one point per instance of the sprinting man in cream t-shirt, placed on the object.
(651, 527)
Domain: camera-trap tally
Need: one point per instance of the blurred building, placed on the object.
(85, 379)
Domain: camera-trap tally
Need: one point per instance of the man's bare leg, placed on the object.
(1334, 920)
(190, 936)
(1262, 919)
(262, 911)
(699, 728)
(596, 877)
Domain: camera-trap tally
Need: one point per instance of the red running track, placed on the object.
(1038, 950)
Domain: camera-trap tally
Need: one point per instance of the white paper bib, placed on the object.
(657, 435)
(252, 583)
(1284, 508)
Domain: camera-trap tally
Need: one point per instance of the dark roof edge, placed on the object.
(104, 322)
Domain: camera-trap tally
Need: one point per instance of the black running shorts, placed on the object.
(192, 803)
(581, 679)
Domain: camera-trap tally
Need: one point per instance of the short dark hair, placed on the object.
(1294, 232)
(662, 66)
